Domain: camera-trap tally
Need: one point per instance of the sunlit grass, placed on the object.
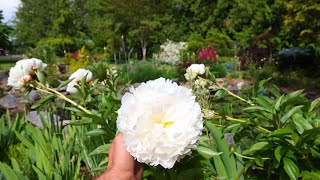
(5, 65)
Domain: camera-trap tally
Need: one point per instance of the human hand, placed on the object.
(121, 164)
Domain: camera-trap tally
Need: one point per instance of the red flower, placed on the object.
(74, 54)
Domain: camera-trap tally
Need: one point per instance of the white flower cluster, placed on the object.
(23, 71)
(76, 78)
(161, 122)
(170, 52)
(194, 70)
(200, 83)
(206, 113)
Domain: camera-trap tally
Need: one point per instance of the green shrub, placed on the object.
(218, 70)
(144, 71)
(78, 59)
(100, 70)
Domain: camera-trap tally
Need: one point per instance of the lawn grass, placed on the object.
(6, 65)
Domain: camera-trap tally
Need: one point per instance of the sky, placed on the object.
(9, 7)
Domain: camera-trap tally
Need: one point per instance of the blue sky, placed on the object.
(9, 7)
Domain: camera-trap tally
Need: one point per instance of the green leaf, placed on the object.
(229, 162)
(207, 152)
(256, 147)
(259, 161)
(220, 94)
(290, 113)
(314, 103)
(314, 152)
(25, 142)
(301, 123)
(257, 108)
(41, 77)
(42, 101)
(103, 149)
(278, 103)
(40, 174)
(279, 152)
(104, 161)
(307, 175)
(281, 132)
(64, 83)
(15, 165)
(8, 172)
(264, 101)
(96, 132)
(291, 168)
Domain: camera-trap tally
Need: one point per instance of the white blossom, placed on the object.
(160, 121)
(23, 71)
(194, 70)
(170, 52)
(200, 83)
(76, 78)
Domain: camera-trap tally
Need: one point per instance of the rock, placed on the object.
(240, 85)
(13, 103)
(34, 96)
(229, 138)
(35, 118)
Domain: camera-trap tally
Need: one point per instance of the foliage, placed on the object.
(298, 59)
(218, 70)
(221, 42)
(145, 70)
(299, 24)
(5, 31)
(46, 53)
(78, 59)
(102, 70)
(56, 23)
(8, 127)
(292, 140)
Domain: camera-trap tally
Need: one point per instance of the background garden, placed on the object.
(259, 124)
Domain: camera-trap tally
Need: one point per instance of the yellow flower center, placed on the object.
(159, 119)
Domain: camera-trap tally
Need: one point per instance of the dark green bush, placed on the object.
(230, 66)
(144, 71)
(292, 59)
(218, 70)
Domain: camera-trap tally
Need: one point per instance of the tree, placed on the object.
(138, 19)
(56, 22)
(301, 26)
(4, 34)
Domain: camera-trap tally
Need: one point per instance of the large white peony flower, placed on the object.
(76, 78)
(160, 121)
(23, 71)
(194, 70)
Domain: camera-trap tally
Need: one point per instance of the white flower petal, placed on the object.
(22, 72)
(77, 77)
(161, 122)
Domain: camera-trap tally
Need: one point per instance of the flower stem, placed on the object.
(60, 95)
(234, 95)
(241, 121)
(247, 157)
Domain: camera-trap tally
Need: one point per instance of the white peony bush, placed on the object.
(76, 79)
(194, 70)
(161, 122)
(23, 72)
(170, 52)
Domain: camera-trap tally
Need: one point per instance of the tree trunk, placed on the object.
(144, 52)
